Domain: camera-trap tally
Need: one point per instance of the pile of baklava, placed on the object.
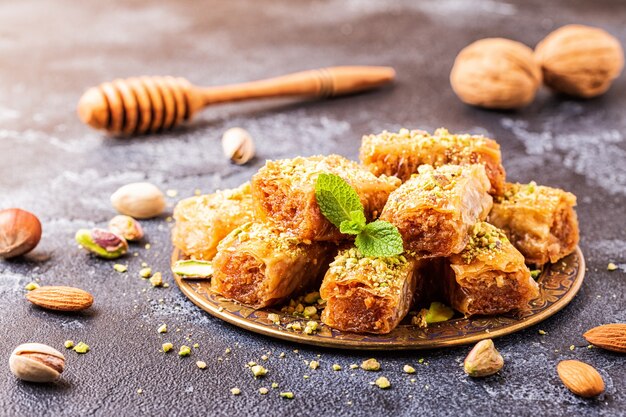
(468, 235)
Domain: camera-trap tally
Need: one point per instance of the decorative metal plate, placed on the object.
(558, 283)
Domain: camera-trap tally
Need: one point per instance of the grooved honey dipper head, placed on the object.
(136, 105)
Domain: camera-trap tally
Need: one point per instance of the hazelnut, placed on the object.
(237, 145)
(581, 61)
(20, 232)
(127, 227)
(36, 362)
(140, 200)
(496, 73)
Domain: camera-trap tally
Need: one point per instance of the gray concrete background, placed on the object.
(51, 51)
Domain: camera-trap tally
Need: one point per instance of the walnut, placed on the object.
(496, 73)
(579, 60)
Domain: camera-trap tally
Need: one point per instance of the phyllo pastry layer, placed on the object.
(402, 153)
(489, 276)
(370, 295)
(540, 221)
(203, 221)
(260, 266)
(284, 194)
(435, 209)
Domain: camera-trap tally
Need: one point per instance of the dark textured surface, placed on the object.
(52, 165)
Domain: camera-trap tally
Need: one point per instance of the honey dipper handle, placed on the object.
(324, 82)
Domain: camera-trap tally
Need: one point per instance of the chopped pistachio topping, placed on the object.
(162, 328)
(535, 273)
(611, 266)
(263, 390)
(81, 347)
(314, 364)
(485, 241)
(145, 272)
(288, 395)
(156, 280)
(438, 312)
(184, 351)
(336, 367)
(120, 268)
(370, 365)
(408, 369)
(258, 370)
(312, 297)
(167, 347)
(193, 268)
(68, 344)
(383, 383)
(201, 364)
(235, 391)
(31, 286)
(309, 311)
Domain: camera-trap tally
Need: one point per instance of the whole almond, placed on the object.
(580, 378)
(60, 298)
(608, 336)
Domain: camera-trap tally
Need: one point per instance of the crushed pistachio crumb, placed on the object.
(420, 360)
(227, 350)
(274, 318)
(148, 246)
(139, 391)
(413, 380)
(184, 351)
(201, 364)
(263, 390)
(235, 391)
(264, 357)
(370, 365)
(306, 377)
(336, 367)
(383, 383)
(282, 355)
(408, 369)
(196, 345)
(542, 332)
(167, 347)
(535, 273)
(572, 347)
(171, 193)
(258, 370)
(314, 364)
(274, 385)
(309, 311)
(611, 266)
(354, 366)
(166, 285)
(156, 280)
(120, 268)
(31, 286)
(251, 363)
(145, 272)
(296, 351)
(68, 344)
(81, 347)
(288, 395)
(162, 328)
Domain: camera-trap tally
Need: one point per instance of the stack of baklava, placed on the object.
(468, 235)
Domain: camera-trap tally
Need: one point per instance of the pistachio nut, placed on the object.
(192, 268)
(127, 227)
(140, 200)
(102, 242)
(36, 362)
(237, 145)
(483, 360)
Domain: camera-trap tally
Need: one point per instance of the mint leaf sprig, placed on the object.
(341, 205)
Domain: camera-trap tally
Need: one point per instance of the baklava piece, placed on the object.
(401, 154)
(284, 194)
(540, 221)
(435, 209)
(203, 221)
(368, 295)
(260, 266)
(489, 276)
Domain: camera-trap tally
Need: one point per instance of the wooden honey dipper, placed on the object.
(151, 104)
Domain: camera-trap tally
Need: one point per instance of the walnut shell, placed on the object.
(579, 60)
(496, 73)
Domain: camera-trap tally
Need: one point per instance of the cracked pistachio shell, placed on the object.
(36, 362)
(102, 242)
(238, 145)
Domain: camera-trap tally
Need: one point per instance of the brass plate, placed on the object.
(558, 283)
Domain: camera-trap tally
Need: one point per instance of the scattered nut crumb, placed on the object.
(31, 286)
(263, 390)
(68, 344)
(383, 383)
(611, 266)
(282, 355)
(184, 351)
(288, 395)
(120, 268)
(196, 345)
(162, 328)
(274, 318)
(370, 365)
(156, 280)
(201, 364)
(81, 347)
(139, 391)
(264, 357)
(314, 364)
(295, 351)
(145, 272)
(274, 385)
(167, 347)
(336, 367)
(408, 369)
(148, 246)
(235, 391)
(171, 193)
(227, 350)
(258, 370)
(197, 191)
(572, 347)
(543, 332)
(354, 366)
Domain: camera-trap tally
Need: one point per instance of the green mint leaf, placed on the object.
(358, 217)
(350, 227)
(337, 199)
(379, 239)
